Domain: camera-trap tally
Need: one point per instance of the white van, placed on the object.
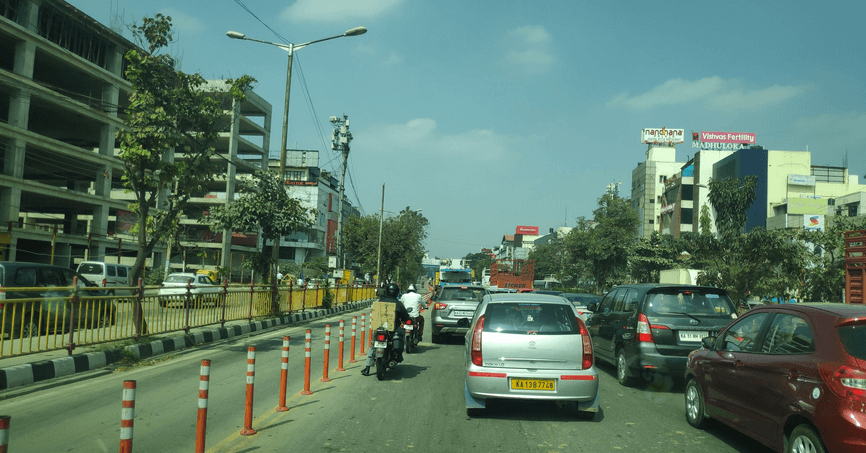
(106, 274)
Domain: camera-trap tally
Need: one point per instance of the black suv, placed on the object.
(652, 328)
(36, 300)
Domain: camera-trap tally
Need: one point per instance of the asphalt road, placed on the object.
(418, 408)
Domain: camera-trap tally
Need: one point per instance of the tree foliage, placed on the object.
(600, 249)
(169, 110)
(402, 245)
(478, 262)
(264, 206)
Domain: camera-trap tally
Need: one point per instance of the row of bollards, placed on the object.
(127, 416)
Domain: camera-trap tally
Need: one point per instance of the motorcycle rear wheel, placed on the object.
(410, 343)
(380, 368)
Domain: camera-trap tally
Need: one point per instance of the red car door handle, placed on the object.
(793, 374)
(739, 363)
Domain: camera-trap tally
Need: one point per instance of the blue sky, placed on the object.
(489, 115)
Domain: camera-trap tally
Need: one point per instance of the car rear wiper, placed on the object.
(686, 314)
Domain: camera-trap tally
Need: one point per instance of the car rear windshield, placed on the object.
(679, 301)
(179, 279)
(530, 318)
(854, 340)
(462, 293)
(90, 268)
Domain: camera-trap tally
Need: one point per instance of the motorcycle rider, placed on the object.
(414, 303)
(392, 291)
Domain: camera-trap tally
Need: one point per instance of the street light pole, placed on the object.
(381, 219)
(290, 48)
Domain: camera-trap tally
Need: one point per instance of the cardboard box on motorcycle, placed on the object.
(384, 314)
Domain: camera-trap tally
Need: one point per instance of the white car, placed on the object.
(200, 286)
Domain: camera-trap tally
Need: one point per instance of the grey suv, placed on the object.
(652, 328)
(453, 309)
(36, 300)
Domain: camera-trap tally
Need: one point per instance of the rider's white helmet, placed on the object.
(411, 288)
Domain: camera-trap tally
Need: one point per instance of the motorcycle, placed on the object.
(413, 334)
(386, 344)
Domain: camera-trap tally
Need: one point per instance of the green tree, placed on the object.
(264, 206)
(649, 256)
(731, 198)
(601, 248)
(825, 270)
(169, 111)
(402, 245)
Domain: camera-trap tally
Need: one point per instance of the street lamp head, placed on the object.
(235, 35)
(355, 31)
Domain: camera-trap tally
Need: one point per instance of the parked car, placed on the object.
(202, 289)
(651, 328)
(453, 310)
(42, 295)
(791, 376)
(529, 346)
(107, 275)
(581, 301)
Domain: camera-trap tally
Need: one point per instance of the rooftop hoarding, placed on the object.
(527, 230)
(662, 136)
(723, 140)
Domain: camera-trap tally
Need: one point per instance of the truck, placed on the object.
(679, 276)
(512, 274)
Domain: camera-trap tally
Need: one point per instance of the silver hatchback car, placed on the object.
(529, 346)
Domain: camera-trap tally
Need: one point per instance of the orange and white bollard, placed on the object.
(307, 341)
(325, 377)
(4, 433)
(127, 416)
(340, 353)
(284, 376)
(363, 330)
(201, 422)
(370, 330)
(352, 352)
(251, 380)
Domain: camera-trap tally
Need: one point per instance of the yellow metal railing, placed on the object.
(69, 318)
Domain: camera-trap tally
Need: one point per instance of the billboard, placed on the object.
(728, 137)
(813, 222)
(662, 136)
(529, 230)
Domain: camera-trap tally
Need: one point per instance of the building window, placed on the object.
(295, 175)
(661, 179)
(686, 216)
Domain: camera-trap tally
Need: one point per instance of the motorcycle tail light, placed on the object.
(409, 321)
(380, 337)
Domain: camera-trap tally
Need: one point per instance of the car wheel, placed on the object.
(694, 404)
(623, 374)
(29, 330)
(474, 412)
(804, 439)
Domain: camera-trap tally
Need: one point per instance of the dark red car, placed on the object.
(792, 376)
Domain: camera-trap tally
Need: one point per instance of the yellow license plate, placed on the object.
(532, 384)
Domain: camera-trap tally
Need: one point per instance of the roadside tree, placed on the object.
(169, 112)
(265, 207)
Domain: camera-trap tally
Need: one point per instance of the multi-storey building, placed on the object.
(319, 191)
(62, 100)
(648, 186)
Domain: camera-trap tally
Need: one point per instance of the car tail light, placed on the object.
(845, 381)
(587, 361)
(476, 342)
(440, 306)
(645, 330)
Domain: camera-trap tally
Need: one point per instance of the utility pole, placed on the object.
(340, 141)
